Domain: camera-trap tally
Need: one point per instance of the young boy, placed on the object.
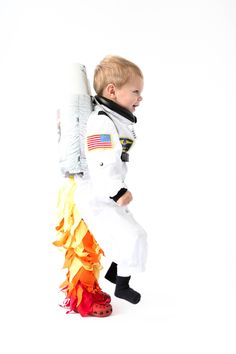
(110, 136)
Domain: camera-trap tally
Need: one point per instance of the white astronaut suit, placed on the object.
(108, 140)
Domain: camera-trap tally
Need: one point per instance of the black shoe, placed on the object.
(111, 274)
(123, 290)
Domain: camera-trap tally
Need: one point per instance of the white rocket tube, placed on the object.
(74, 112)
(75, 80)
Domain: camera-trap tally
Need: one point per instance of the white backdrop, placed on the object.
(182, 172)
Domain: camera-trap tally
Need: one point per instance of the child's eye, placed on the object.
(136, 91)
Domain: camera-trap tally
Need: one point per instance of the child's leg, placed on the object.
(111, 274)
(121, 280)
(123, 289)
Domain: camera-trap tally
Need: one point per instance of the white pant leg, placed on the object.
(122, 238)
(115, 229)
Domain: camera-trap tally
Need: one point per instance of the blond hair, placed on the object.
(115, 70)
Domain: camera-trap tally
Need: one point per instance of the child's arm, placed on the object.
(103, 152)
(125, 199)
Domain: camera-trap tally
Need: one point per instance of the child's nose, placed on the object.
(140, 98)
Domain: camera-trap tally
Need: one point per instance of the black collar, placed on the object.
(117, 108)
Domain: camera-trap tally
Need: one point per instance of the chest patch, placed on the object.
(126, 144)
(99, 141)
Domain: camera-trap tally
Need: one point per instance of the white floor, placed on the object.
(182, 315)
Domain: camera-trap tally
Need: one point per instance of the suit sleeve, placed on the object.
(103, 152)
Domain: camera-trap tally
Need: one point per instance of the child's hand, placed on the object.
(125, 199)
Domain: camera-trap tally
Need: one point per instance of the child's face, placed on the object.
(129, 95)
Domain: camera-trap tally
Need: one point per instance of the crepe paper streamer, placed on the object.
(82, 254)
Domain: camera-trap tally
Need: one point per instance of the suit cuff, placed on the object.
(121, 192)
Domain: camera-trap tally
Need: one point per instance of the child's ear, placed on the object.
(111, 91)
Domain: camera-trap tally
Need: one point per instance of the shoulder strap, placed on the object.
(124, 156)
(102, 113)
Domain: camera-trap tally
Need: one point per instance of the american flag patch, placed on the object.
(99, 141)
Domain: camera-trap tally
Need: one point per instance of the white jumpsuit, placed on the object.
(123, 240)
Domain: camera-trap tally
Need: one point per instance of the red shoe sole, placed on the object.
(101, 310)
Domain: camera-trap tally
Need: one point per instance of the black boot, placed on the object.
(112, 273)
(123, 290)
